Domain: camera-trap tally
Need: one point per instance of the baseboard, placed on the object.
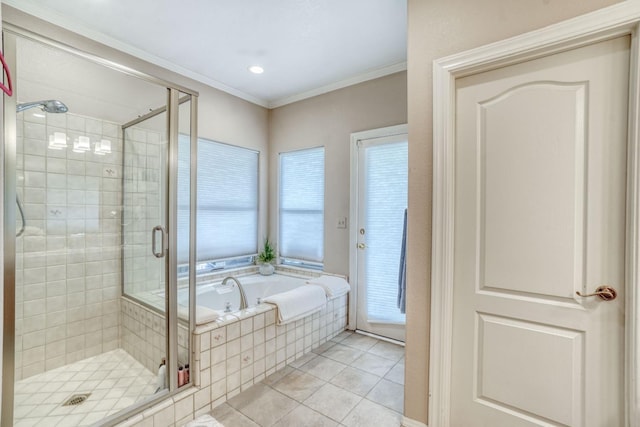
(408, 422)
(379, 337)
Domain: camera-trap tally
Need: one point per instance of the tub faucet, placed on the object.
(243, 297)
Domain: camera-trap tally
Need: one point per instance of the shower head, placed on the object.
(50, 106)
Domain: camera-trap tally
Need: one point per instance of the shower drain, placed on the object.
(76, 399)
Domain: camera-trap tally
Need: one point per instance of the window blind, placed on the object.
(227, 204)
(385, 200)
(301, 210)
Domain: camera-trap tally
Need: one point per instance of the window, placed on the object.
(227, 206)
(301, 210)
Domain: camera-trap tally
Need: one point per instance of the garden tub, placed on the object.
(215, 299)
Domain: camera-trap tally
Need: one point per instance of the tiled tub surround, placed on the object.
(241, 349)
(234, 353)
(143, 332)
(68, 259)
(143, 335)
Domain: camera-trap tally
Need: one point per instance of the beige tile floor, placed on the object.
(353, 380)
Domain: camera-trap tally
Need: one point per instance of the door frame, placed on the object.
(356, 137)
(614, 21)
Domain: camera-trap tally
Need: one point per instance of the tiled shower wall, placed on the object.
(68, 268)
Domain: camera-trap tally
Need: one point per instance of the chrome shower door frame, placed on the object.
(9, 242)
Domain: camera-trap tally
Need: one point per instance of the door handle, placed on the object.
(155, 230)
(607, 293)
(361, 246)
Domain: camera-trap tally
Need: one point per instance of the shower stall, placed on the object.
(92, 161)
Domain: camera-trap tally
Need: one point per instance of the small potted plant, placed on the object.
(265, 258)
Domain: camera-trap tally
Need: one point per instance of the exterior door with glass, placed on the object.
(381, 177)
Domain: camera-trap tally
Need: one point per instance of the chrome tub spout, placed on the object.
(243, 296)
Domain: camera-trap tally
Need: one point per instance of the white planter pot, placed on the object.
(266, 269)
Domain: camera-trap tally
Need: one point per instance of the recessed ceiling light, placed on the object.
(256, 69)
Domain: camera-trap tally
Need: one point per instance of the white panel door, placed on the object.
(540, 215)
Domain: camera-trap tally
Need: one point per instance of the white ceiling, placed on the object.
(306, 47)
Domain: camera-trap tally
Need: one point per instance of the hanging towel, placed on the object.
(298, 303)
(402, 274)
(333, 286)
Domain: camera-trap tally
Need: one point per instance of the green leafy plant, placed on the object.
(268, 253)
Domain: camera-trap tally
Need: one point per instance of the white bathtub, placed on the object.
(214, 296)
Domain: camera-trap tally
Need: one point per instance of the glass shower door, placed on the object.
(156, 273)
(144, 246)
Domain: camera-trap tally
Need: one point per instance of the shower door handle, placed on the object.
(154, 232)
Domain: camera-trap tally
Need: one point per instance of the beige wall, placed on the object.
(328, 120)
(439, 28)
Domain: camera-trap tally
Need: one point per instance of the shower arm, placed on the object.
(27, 105)
(19, 233)
(50, 106)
